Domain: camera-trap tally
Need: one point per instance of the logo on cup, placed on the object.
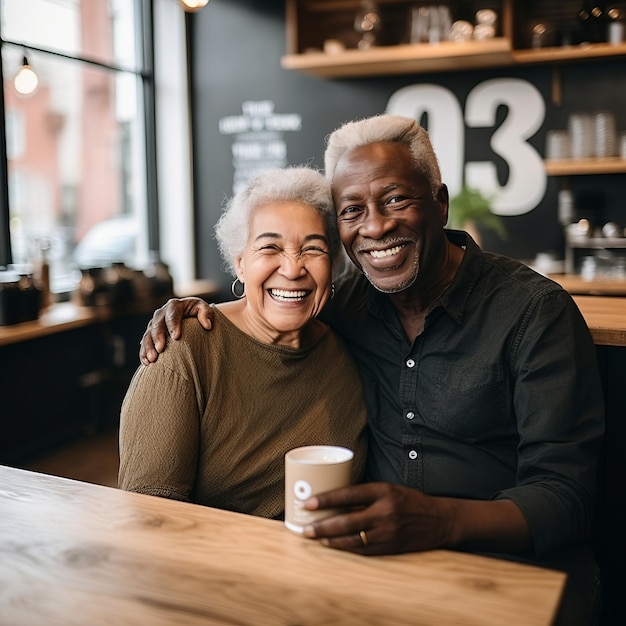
(302, 489)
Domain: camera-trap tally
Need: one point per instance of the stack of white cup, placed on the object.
(592, 135)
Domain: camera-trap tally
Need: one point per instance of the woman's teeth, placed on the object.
(379, 254)
(281, 294)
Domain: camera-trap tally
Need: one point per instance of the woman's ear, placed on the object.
(240, 270)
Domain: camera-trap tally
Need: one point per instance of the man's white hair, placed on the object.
(384, 128)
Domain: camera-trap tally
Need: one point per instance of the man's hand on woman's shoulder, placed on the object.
(167, 321)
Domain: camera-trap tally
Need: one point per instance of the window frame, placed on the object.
(144, 23)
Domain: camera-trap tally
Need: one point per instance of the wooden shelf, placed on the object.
(442, 57)
(403, 59)
(575, 167)
(311, 22)
(568, 53)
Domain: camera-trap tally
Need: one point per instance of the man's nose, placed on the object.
(376, 224)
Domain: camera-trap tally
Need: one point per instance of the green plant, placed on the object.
(472, 206)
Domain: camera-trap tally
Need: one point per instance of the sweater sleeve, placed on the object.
(159, 430)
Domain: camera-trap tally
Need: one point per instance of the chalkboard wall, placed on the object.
(235, 52)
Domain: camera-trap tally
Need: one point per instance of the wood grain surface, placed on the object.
(606, 318)
(73, 553)
(604, 286)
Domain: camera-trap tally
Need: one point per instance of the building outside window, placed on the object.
(76, 146)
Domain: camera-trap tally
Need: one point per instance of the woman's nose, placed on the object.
(292, 266)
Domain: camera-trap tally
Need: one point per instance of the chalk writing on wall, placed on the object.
(258, 139)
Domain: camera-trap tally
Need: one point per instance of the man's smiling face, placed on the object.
(389, 222)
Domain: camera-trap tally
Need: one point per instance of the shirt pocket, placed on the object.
(468, 402)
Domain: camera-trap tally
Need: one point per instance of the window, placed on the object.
(76, 169)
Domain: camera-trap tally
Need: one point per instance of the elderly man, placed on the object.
(484, 402)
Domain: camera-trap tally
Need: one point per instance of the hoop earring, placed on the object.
(233, 289)
(332, 290)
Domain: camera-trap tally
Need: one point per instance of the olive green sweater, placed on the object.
(211, 420)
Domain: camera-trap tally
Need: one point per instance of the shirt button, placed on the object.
(410, 415)
(412, 455)
(410, 363)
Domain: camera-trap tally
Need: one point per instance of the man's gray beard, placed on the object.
(401, 287)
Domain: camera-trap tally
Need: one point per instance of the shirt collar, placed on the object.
(454, 299)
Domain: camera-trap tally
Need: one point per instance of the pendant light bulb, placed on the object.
(193, 5)
(25, 81)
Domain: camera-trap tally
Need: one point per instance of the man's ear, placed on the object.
(444, 201)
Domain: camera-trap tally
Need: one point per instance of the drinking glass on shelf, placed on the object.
(558, 144)
(619, 268)
(461, 31)
(420, 24)
(430, 24)
(622, 145)
(589, 268)
(539, 35)
(367, 22)
(486, 16)
(616, 26)
(604, 133)
(580, 127)
(486, 20)
(444, 23)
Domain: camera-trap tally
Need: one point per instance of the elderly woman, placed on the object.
(211, 421)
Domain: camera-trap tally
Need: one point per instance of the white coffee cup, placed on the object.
(310, 470)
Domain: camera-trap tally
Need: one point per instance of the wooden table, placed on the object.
(72, 553)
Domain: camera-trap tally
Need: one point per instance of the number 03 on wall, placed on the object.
(527, 180)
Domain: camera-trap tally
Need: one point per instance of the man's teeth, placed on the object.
(281, 294)
(379, 254)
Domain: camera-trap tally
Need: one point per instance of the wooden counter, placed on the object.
(66, 315)
(73, 553)
(602, 304)
(576, 285)
(606, 318)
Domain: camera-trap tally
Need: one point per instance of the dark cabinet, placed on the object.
(66, 384)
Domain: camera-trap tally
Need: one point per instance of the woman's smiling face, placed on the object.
(286, 268)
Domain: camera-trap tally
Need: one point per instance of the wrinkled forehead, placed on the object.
(372, 153)
(285, 212)
(374, 165)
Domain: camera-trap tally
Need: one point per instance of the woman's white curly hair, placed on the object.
(300, 184)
